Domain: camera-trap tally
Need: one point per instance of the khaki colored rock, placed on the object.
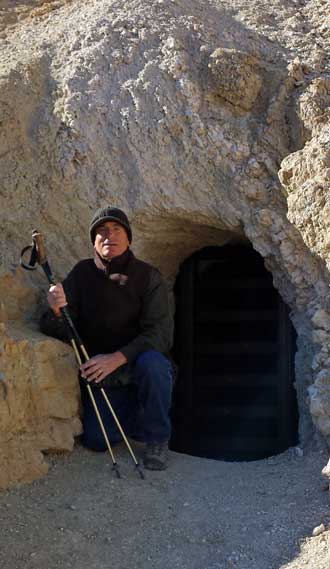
(318, 530)
(39, 402)
(305, 174)
(235, 76)
(321, 319)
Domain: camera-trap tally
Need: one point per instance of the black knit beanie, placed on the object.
(109, 214)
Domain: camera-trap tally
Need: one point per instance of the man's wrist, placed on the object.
(121, 358)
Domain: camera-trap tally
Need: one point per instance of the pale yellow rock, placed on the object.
(326, 470)
(39, 402)
(318, 530)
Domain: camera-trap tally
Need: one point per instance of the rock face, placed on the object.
(39, 401)
(206, 121)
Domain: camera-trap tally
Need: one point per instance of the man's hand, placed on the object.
(98, 367)
(56, 298)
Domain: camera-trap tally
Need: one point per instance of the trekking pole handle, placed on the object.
(37, 237)
(38, 243)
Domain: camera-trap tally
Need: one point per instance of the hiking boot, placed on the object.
(156, 456)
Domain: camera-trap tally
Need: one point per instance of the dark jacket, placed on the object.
(118, 305)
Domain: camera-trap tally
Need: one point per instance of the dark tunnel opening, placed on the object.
(234, 345)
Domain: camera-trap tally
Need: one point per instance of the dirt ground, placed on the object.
(200, 514)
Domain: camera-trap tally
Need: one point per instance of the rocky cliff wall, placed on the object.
(206, 121)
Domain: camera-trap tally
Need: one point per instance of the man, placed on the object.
(120, 307)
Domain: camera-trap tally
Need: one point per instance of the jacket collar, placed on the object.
(116, 265)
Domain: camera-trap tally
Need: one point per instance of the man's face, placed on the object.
(111, 240)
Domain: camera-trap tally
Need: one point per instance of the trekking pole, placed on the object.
(38, 254)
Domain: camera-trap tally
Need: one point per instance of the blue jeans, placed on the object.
(142, 407)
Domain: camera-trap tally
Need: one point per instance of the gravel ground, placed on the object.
(200, 514)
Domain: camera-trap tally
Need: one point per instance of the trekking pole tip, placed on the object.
(140, 471)
(116, 469)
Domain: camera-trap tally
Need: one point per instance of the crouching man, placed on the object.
(120, 307)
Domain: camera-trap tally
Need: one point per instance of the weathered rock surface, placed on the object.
(39, 400)
(38, 404)
(183, 113)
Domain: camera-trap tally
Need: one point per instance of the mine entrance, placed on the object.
(235, 346)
